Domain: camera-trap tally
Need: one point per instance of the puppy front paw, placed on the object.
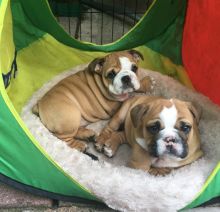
(111, 146)
(101, 139)
(86, 134)
(109, 142)
(153, 83)
(104, 144)
(77, 144)
(108, 151)
(159, 171)
(146, 84)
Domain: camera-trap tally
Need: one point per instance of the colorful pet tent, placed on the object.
(172, 35)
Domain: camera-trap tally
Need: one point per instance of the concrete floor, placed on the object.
(12, 199)
(99, 31)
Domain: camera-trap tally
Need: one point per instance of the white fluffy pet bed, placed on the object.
(126, 189)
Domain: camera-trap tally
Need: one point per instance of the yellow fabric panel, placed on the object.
(6, 38)
(39, 62)
(157, 62)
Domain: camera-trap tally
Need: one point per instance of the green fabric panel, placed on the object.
(67, 9)
(24, 32)
(211, 191)
(0, 2)
(21, 160)
(170, 41)
(152, 25)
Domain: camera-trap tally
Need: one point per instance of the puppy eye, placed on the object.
(134, 68)
(155, 128)
(111, 75)
(185, 127)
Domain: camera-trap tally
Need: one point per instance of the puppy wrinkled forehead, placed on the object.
(112, 60)
(169, 115)
(116, 55)
(125, 63)
(157, 106)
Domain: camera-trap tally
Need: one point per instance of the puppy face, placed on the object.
(167, 127)
(119, 72)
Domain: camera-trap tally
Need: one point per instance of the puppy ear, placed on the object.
(137, 113)
(136, 55)
(96, 65)
(195, 110)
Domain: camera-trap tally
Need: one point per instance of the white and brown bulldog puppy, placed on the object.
(162, 133)
(93, 94)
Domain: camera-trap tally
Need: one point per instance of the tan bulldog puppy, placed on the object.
(93, 94)
(162, 133)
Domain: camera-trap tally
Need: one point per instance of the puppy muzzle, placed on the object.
(125, 82)
(170, 145)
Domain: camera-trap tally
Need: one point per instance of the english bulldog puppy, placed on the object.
(163, 133)
(93, 94)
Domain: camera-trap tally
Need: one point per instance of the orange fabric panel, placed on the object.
(201, 46)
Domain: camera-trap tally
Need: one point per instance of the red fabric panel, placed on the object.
(201, 46)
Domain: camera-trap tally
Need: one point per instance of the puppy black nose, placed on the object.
(126, 79)
(170, 139)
